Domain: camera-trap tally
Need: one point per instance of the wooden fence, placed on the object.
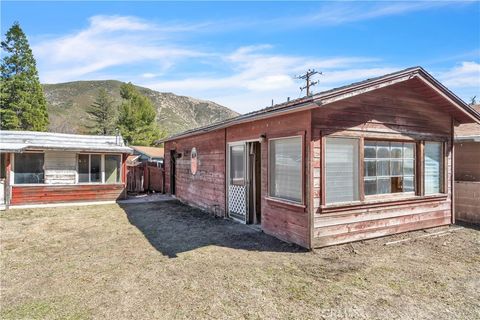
(145, 177)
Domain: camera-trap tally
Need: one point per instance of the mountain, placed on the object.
(68, 101)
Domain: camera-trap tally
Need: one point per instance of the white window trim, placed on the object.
(324, 171)
(102, 168)
(12, 170)
(302, 164)
(415, 177)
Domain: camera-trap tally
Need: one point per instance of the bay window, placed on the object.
(28, 168)
(285, 174)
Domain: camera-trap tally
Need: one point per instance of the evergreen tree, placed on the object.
(23, 105)
(103, 114)
(137, 118)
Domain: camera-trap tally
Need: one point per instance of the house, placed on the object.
(39, 168)
(366, 160)
(150, 154)
(467, 172)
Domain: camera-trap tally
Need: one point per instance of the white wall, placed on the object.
(60, 167)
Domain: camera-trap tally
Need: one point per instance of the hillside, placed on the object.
(67, 103)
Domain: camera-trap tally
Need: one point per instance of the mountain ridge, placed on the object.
(67, 103)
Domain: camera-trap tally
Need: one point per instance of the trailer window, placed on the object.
(286, 168)
(28, 168)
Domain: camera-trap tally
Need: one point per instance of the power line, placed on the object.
(307, 77)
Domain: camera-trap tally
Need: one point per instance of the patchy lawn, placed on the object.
(167, 260)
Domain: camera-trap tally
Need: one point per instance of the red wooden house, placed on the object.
(39, 168)
(366, 160)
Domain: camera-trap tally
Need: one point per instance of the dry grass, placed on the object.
(166, 260)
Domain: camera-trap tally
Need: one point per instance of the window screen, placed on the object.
(286, 168)
(237, 165)
(341, 170)
(112, 168)
(433, 167)
(28, 168)
(389, 167)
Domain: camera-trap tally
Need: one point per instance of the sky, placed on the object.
(244, 54)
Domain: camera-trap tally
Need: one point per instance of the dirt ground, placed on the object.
(165, 260)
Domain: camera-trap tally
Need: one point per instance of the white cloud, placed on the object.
(257, 76)
(108, 41)
(465, 75)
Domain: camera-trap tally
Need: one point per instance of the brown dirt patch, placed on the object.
(167, 260)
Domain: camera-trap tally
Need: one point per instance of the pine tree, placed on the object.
(102, 114)
(23, 105)
(137, 118)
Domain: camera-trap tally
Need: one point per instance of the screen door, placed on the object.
(237, 182)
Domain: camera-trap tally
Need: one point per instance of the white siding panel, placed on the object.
(60, 167)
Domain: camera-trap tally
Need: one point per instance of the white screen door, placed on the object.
(237, 181)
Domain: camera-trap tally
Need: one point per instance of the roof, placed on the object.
(132, 160)
(466, 112)
(19, 141)
(468, 131)
(152, 152)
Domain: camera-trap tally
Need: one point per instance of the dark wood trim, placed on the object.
(379, 203)
(361, 169)
(302, 135)
(285, 204)
(323, 181)
(420, 168)
(452, 171)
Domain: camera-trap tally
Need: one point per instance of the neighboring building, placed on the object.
(357, 162)
(44, 168)
(467, 172)
(150, 154)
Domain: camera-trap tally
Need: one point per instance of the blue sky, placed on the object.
(243, 54)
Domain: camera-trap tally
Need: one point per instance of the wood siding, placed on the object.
(467, 161)
(287, 222)
(403, 111)
(60, 167)
(205, 189)
(467, 201)
(26, 195)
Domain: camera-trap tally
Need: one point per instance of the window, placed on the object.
(285, 158)
(28, 168)
(389, 167)
(433, 167)
(237, 165)
(89, 168)
(112, 168)
(341, 170)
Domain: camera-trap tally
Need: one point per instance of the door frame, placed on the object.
(246, 173)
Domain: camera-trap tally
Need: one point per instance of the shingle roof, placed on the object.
(468, 130)
(18, 141)
(152, 152)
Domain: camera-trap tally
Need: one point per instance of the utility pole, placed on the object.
(307, 77)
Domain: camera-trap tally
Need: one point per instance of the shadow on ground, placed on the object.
(172, 228)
